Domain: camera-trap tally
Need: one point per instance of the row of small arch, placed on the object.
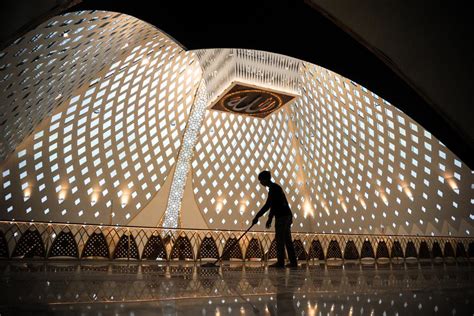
(64, 245)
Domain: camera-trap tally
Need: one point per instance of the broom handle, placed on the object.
(235, 243)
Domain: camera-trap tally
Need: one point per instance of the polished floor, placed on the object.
(180, 288)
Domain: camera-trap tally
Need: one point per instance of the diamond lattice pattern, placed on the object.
(105, 151)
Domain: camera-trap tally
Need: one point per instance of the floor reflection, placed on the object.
(102, 288)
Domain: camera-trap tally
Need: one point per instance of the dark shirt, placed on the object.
(276, 202)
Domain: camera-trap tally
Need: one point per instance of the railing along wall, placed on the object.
(35, 240)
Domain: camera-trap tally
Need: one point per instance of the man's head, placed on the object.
(265, 178)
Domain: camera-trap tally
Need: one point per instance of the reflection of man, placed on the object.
(285, 285)
(279, 209)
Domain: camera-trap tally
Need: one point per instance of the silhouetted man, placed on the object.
(279, 208)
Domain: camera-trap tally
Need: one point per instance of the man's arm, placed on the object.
(270, 219)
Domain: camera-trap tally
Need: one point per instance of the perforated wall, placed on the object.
(348, 160)
(229, 154)
(95, 112)
(106, 150)
(372, 168)
(42, 69)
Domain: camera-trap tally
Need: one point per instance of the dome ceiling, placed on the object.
(102, 109)
(416, 56)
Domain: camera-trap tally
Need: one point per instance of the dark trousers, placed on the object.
(283, 238)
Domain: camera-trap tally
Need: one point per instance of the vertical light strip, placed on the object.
(175, 197)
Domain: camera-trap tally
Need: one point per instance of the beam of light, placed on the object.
(452, 184)
(124, 200)
(62, 195)
(312, 310)
(218, 207)
(26, 194)
(408, 193)
(343, 205)
(384, 198)
(308, 209)
(94, 198)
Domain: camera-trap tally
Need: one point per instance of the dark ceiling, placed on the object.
(300, 30)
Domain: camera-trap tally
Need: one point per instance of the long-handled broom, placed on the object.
(214, 264)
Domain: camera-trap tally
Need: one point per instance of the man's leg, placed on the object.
(280, 233)
(289, 243)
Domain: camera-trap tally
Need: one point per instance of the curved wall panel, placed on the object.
(95, 106)
(349, 162)
(105, 151)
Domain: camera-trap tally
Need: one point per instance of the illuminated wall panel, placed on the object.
(371, 168)
(348, 160)
(105, 151)
(231, 151)
(95, 109)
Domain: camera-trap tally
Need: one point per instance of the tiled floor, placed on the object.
(178, 288)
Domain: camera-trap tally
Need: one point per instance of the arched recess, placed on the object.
(154, 249)
(232, 249)
(208, 248)
(182, 249)
(254, 249)
(30, 245)
(64, 245)
(350, 251)
(96, 247)
(126, 248)
(316, 250)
